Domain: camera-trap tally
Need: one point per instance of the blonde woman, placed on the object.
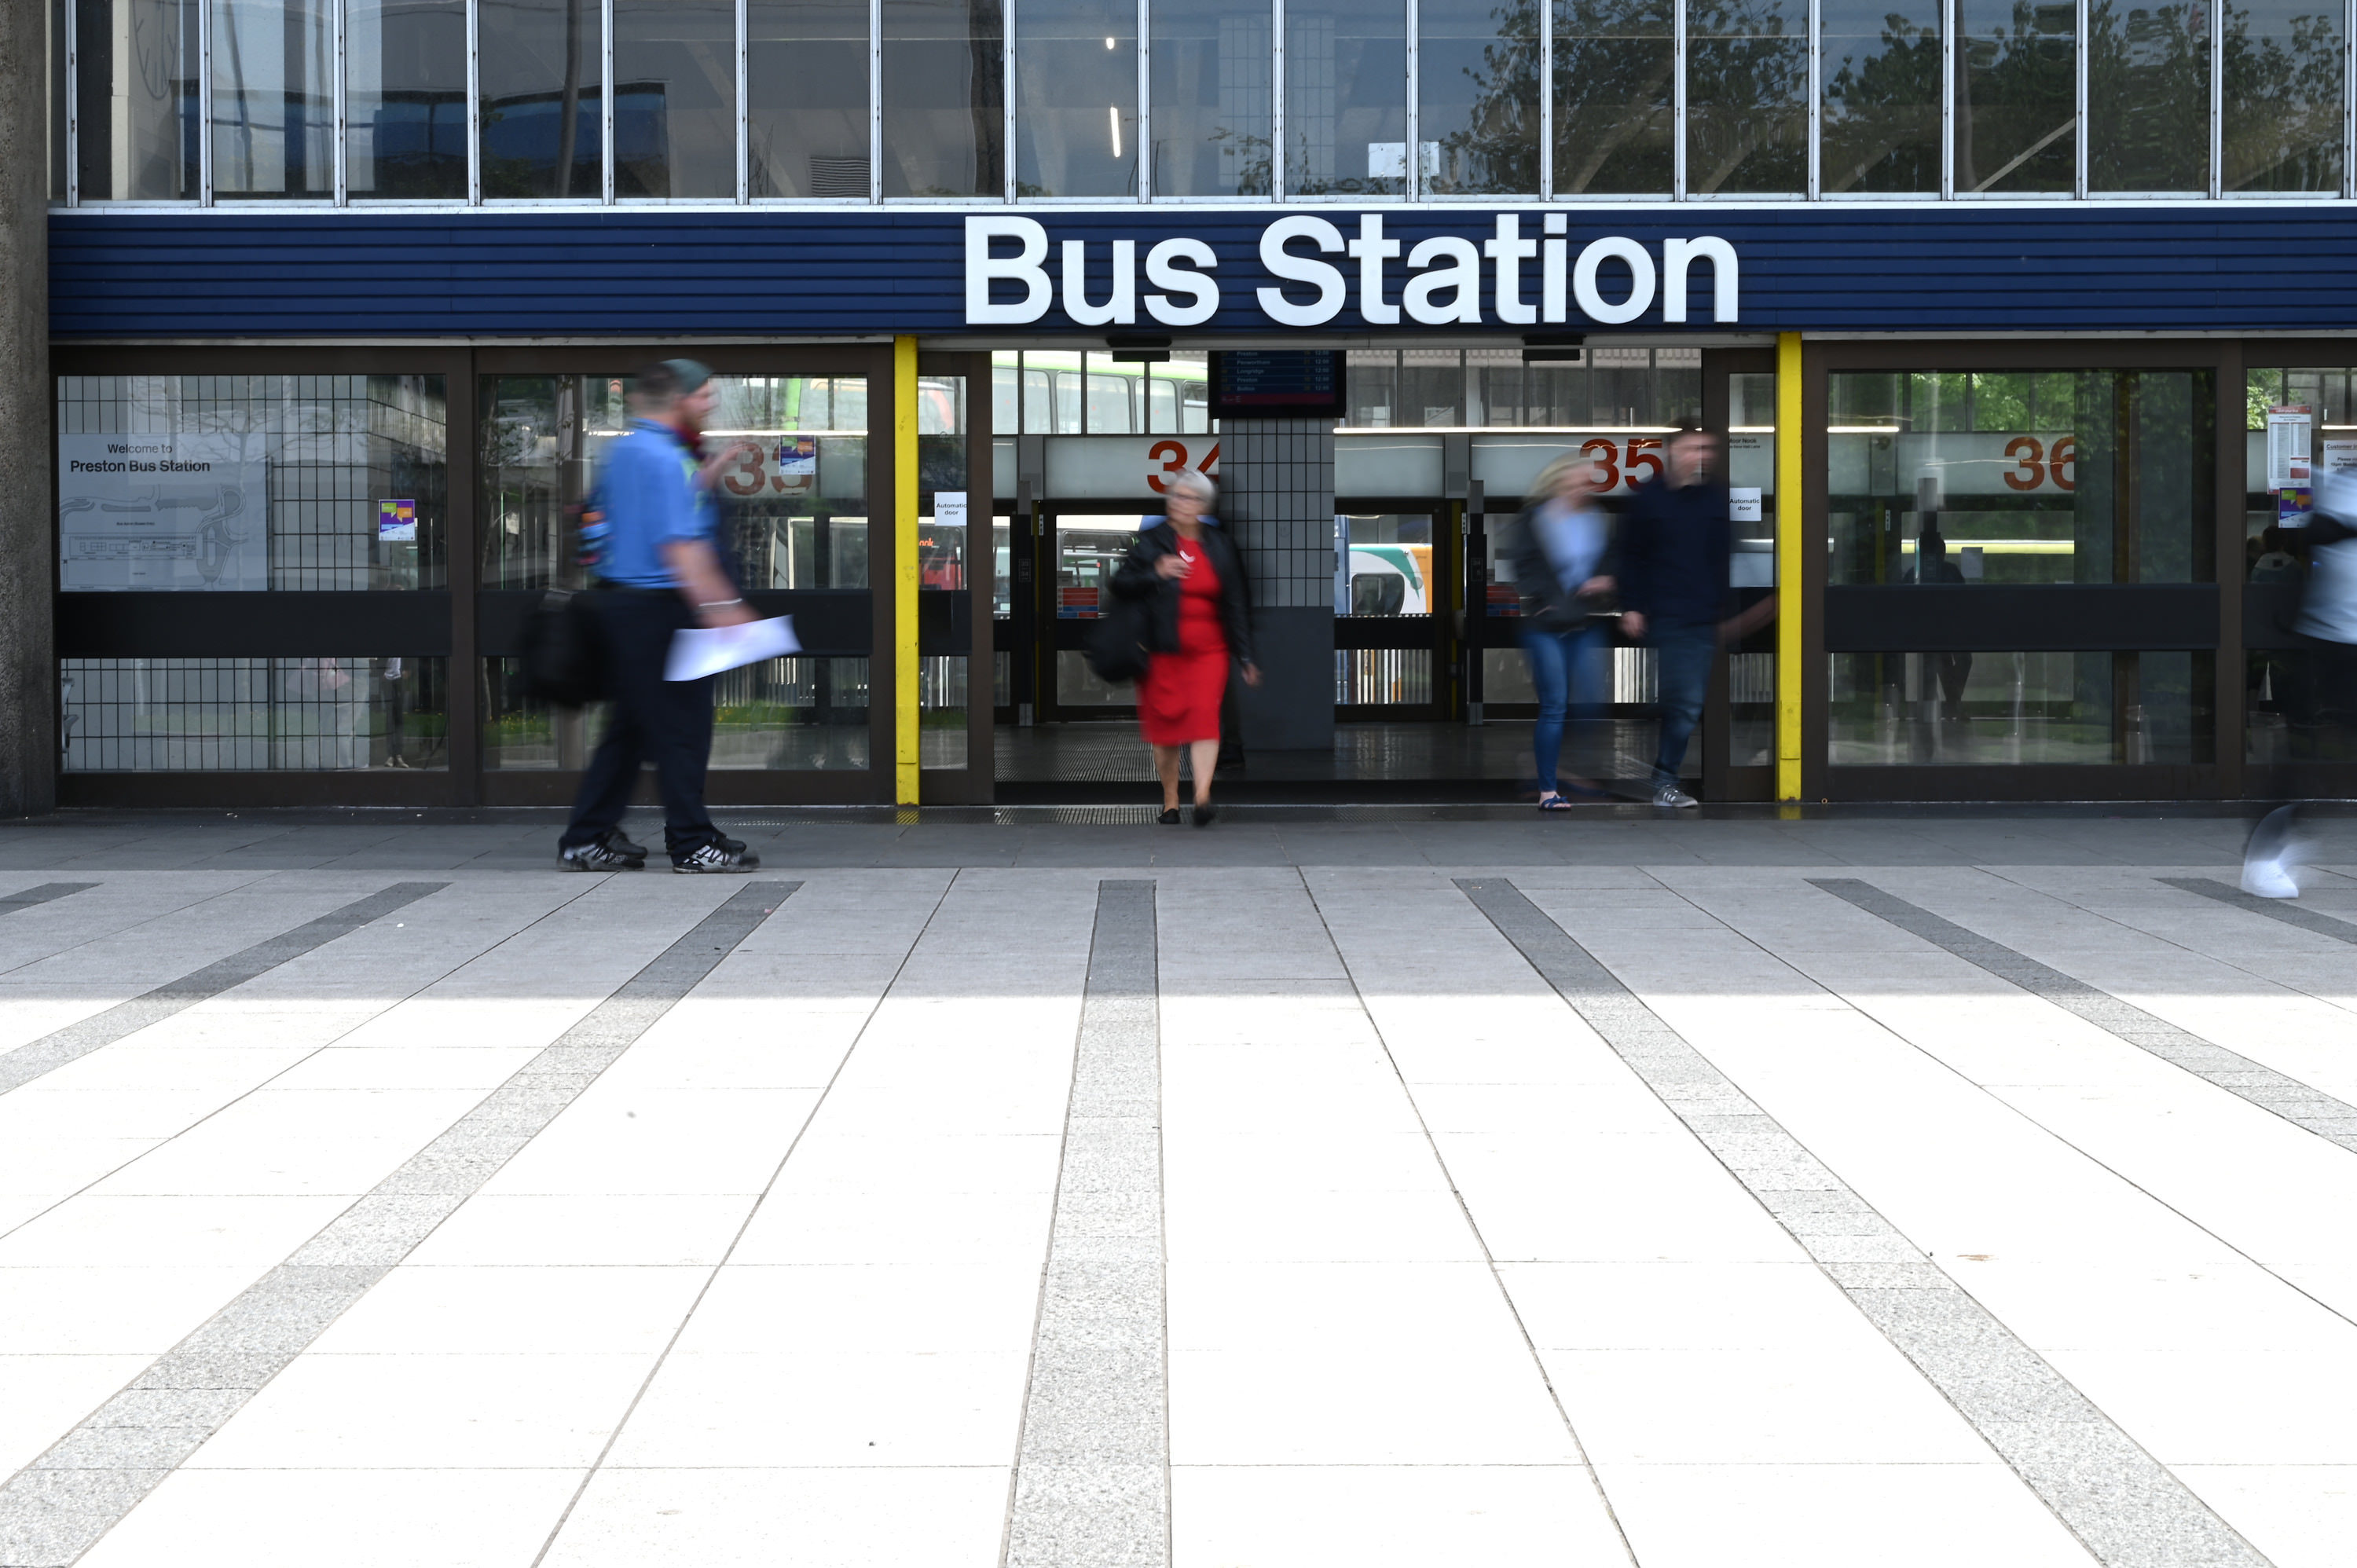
(1562, 550)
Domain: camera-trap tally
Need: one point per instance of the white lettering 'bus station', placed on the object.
(1442, 288)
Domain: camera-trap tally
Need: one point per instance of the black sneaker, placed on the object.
(610, 853)
(716, 858)
(617, 841)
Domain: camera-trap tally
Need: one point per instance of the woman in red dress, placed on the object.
(1198, 625)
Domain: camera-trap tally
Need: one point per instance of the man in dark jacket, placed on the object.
(1675, 546)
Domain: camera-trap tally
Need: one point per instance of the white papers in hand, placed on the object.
(698, 651)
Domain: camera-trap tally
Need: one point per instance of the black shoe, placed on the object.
(1205, 815)
(602, 853)
(617, 842)
(714, 858)
(1169, 818)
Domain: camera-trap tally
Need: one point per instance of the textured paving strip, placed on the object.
(2124, 1505)
(47, 892)
(2284, 909)
(1091, 1486)
(2312, 1110)
(52, 1051)
(55, 1509)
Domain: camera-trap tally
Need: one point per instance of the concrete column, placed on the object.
(1276, 492)
(28, 748)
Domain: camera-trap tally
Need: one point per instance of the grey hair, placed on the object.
(1196, 483)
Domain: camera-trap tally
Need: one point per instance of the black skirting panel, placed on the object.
(2067, 618)
(253, 626)
(834, 623)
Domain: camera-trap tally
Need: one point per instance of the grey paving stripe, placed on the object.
(46, 893)
(2283, 909)
(2310, 1109)
(1092, 1485)
(51, 1051)
(2125, 1506)
(57, 1508)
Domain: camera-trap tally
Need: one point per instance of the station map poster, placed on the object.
(163, 512)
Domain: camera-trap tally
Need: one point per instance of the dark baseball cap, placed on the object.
(692, 374)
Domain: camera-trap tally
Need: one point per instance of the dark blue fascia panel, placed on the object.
(2078, 267)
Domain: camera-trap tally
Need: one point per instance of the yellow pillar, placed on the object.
(904, 572)
(1791, 536)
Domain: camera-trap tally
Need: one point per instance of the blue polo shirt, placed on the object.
(647, 489)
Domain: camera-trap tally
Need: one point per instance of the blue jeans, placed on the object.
(1572, 672)
(1682, 656)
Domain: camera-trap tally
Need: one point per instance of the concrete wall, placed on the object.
(28, 750)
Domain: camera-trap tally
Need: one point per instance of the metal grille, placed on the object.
(252, 716)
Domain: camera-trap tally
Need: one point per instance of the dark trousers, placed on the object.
(1681, 669)
(668, 723)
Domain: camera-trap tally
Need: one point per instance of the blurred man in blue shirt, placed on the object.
(660, 570)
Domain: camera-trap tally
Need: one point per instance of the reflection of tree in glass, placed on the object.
(2018, 102)
(1497, 148)
(2282, 129)
(1251, 159)
(1615, 65)
(2148, 97)
(1747, 96)
(1882, 113)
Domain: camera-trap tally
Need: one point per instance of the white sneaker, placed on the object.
(2268, 879)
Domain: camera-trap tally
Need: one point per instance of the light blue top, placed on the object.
(1574, 542)
(647, 489)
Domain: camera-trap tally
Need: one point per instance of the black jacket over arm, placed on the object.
(1137, 579)
(1547, 604)
(1675, 549)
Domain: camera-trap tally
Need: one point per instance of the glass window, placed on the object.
(806, 73)
(1747, 96)
(1345, 98)
(1478, 96)
(274, 99)
(253, 716)
(1005, 399)
(57, 89)
(1374, 380)
(674, 97)
(2037, 476)
(2011, 709)
(1432, 387)
(944, 98)
(2017, 97)
(1117, 397)
(2148, 97)
(796, 504)
(543, 133)
(1178, 394)
(251, 483)
(1879, 65)
(1213, 68)
(541, 438)
(1051, 393)
(2282, 120)
(1614, 80)
(1076, 98)
(406, 99)
(135, 87)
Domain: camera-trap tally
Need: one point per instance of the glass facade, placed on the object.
(251, 483)
(405, 88)
(2038, 480)
(1060, 392)
(909, 100)
(274, 98)
(1214, 98)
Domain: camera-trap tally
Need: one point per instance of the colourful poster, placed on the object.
(396, 522)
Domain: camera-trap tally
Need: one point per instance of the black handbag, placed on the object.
(560, 650)
(1120, 643)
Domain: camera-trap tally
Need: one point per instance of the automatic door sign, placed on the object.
(163, 512)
